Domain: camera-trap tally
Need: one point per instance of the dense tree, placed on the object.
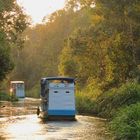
(106, 52)
(44, 43)
(121, 22)
(101, 44)
(12, 23)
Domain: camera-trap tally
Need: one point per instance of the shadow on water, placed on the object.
(19, 122)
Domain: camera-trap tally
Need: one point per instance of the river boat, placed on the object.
(57, 98)
(17, 89)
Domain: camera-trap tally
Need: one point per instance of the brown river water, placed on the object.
(18, 121)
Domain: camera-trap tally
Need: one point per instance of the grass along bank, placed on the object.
(84, 103)
(126, 123)
(121, 106)
(7, 97)
(109, 102)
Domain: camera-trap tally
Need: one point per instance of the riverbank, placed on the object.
(121, 106)
(7, 97)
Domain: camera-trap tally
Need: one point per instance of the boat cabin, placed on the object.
(58, 97)
(17, 89)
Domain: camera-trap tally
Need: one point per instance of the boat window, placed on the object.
(61, 81)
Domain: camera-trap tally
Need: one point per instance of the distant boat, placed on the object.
(57, 98)
(17, 89)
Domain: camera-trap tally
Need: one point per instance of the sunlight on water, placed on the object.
(23, 124)
(25, 128)
(30, 127)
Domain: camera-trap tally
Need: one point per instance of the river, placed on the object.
(18, 121)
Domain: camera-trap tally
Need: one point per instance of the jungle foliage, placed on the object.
(108, 103)
(12, 23)
(126, 123)
(95, 41)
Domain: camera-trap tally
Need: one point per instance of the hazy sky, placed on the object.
(37, 9)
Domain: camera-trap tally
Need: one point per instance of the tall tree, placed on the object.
(44, 45)
(121, 21)
(106, 52)
(12, 23)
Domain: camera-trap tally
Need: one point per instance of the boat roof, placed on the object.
(15, 82)
(58, 78)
